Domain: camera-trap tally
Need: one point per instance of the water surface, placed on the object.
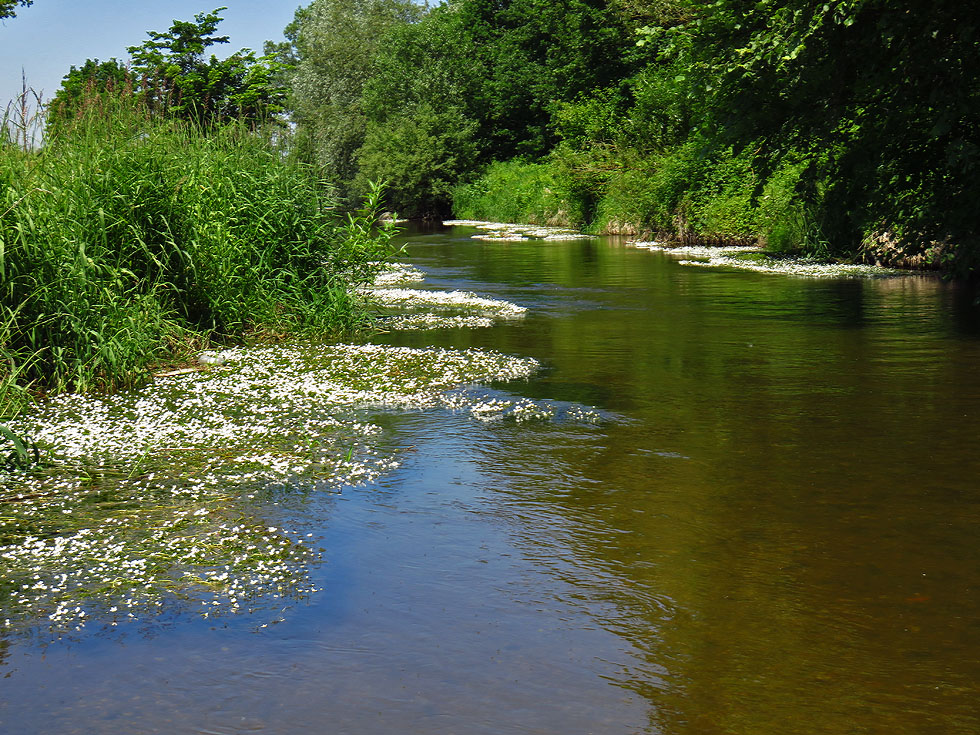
(773, 530)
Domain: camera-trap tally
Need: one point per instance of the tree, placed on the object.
(333, 45)
(423, 106)
(174, 78)
(881, 99)
(87, 85)
(7, 7)
(539, 53)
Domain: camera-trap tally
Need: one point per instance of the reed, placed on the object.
(126, 236)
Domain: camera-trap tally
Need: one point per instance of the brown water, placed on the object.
(776, 531)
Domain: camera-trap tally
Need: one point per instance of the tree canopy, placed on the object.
(170, 75)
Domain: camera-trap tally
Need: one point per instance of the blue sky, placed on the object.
(47, 38)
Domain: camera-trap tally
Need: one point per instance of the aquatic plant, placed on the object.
(453, 300)
(419, 309)
(22, 451)
(164, 498)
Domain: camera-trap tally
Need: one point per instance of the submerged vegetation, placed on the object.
(169, 498)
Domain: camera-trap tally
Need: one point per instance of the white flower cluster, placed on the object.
(426, 309)
(726, 256)
(694, 251)
(800, 267)
(397, 274)
(147, 497)
(510, 232)
(452, 300)
(408, 322)
(489, 408)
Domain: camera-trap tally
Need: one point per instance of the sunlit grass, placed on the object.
(125, 240)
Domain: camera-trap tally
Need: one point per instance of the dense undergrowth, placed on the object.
(128, 239)
(673, 196)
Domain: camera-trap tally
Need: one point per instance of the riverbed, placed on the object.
(653, 497)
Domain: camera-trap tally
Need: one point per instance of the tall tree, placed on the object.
(538, 53)
(423, 103)
(333, 44)
(174, 77)
(86, 85)
(881, 97)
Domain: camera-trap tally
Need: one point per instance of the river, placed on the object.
(772, 525)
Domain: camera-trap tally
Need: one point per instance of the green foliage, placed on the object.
(512, 191)
(538, 53)
(169, 76)
(91, 85)
(805, 124)
(887, 97)
(174, 78)
(17, 452)
(421, 153)
(330, 67)
(491, 73)
(422, 114)
(7, 7)
(127, 234)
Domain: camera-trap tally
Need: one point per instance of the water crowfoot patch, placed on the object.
(421, 309)
(398, 274)
(757, 260)
(433, 321)
(695, 251)
(152, 499)
(488, 406)
(509, 232)
(446, 300)
(799, 267)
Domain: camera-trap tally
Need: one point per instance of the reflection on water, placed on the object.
(774, 530)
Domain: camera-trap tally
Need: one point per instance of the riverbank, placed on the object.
(714, 253)
(679, 204)
(126, 240)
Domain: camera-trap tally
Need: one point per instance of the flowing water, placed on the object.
(768, 521)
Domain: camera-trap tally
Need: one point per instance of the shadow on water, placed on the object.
(773, 532)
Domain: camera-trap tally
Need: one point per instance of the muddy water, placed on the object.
(775, 529)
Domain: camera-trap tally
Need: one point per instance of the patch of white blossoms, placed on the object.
(148, 498)
(421, 309)
(398, 274)
(447, 300)
(408, 322)
(696, 251)
(489, 408)
(509, 232)
(728, 257)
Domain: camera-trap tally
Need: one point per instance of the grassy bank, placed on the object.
(680, 195)
(126, 240)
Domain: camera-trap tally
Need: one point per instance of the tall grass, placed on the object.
(125, 236)
(684, 193)
(512, 191)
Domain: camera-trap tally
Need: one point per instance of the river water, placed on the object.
(773, 528)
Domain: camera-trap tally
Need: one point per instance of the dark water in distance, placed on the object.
(778, 531)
